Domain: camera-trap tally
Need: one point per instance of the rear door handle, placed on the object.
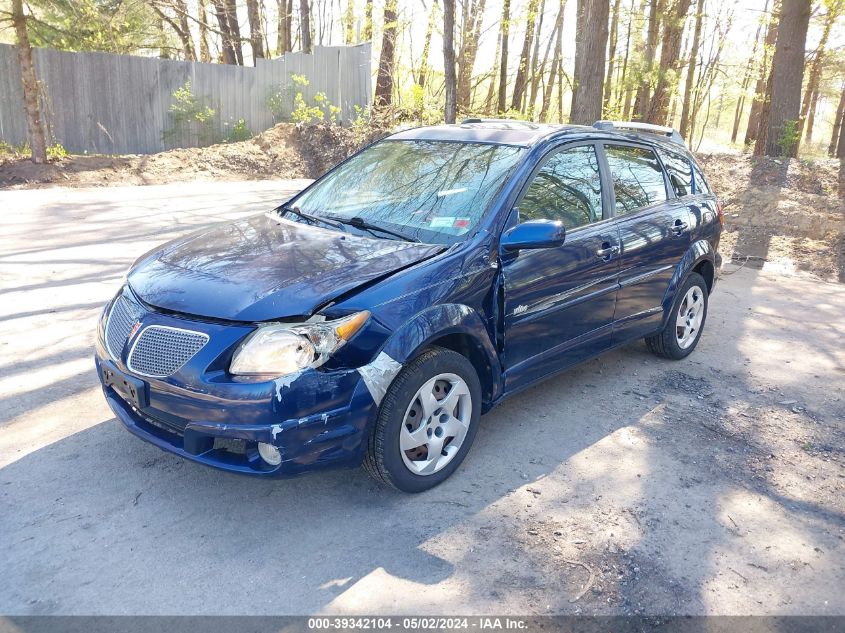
(607, 251)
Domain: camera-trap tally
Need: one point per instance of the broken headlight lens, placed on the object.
(282, 348)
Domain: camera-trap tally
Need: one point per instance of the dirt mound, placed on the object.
(283, 151)
(788, 212)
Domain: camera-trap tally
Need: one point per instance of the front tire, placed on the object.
(683, 328)
(426, 423)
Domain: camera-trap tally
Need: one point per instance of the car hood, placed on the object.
(264, 268)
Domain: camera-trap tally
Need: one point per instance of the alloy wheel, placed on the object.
(689, 318)
(435, 424)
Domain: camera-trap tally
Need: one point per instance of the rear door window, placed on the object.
(679, 170)
(637, 177)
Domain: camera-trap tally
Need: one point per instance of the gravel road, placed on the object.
(628, 485)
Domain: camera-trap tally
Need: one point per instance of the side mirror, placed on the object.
(534, 234)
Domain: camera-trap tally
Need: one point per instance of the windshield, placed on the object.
(432, 191)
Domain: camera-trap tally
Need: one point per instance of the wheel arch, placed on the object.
(700, 258)
(456, 327)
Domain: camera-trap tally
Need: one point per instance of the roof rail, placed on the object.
(484, 120)
(637, 126)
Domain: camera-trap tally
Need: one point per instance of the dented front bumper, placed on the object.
(317, 418)
(334, 436)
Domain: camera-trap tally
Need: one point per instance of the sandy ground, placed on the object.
(628, 485)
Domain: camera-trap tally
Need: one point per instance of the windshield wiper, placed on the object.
(307, 216)
(360, 223)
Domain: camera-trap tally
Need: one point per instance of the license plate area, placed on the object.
(131, 389)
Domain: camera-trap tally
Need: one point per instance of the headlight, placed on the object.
(284, 348)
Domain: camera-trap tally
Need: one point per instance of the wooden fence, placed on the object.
(120, 104)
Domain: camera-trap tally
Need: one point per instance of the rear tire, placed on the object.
(682, 331)
(426, 422)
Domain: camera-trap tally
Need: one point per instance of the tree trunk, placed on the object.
(784, 95)
(626, 81)
(812, 91)
(540, 73)
(611, 56)
(746, 80)
(179, 25)
(205, 51)
(503, 60)
(708, 75)
(753, 127)
(184, 31)
(226, 45)
(693, 61)
(534, 76)
(840, 147)
(384, 78)
(349, 30)
(491, 89)
(423, 74)
(469, 49)
(811, 118)
(669, 53)
(35, 128)
(590, 51)
(560, 75)
(235, 30)
(643, 100)
(522, 71)
(256, 39)
(837, 124)
(451, 80)
(281, 41)
(368, 21)
(305, 25)
(289, 26)
(557, 33)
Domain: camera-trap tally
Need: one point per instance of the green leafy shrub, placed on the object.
(278, 103)
(292, 99)
(239, 132)
(56, 152)
(191, 116)
(788, 138)
(303, 113)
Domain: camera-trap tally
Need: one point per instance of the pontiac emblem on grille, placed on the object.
(134, 330)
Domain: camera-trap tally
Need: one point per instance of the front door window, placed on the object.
(567, 188)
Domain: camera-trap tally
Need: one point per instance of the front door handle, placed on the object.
(679, 227)
(607, 251)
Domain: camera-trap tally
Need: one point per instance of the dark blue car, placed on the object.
(376, 315)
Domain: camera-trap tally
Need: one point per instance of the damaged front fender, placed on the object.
(454, 326)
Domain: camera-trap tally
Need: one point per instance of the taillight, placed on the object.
(721, 213)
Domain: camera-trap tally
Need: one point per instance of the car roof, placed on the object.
(520, 133)
(525, 133)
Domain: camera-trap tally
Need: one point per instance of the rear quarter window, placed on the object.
(679, 170)
(701, 185)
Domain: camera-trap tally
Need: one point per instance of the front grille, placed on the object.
(160, 350)
(121, 319)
